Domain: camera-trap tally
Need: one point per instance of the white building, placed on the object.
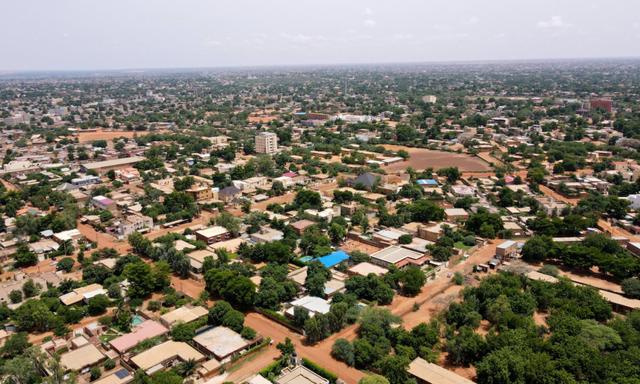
(267, 142)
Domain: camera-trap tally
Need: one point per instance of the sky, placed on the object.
(125, 34)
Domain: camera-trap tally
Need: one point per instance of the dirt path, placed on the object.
(8, 185)
(551, 193)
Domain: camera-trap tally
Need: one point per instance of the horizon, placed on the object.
(133, 70)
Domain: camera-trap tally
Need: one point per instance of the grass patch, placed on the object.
(461, 245)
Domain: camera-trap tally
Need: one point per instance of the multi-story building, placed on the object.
(267, 142)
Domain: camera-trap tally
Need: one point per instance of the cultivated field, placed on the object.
(422, 158)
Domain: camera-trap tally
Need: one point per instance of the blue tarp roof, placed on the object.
(427, 182)
(334, 258)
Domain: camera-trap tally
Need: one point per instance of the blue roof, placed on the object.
(305, 259)
(334, 258)
(427, 182)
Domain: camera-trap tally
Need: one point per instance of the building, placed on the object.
(312, 304)
(333, 259)
(267, 142)
(429, 373)
(398, 256)
(300, 375)
(201, 193)
(85, 180)
(84, 357)
(164, 355)
(121, 376)
(507, 249)
(221, 342)
(455, 214)
(213, 234)
(603, 103)
(183, 315)
(229, 194)
(103, 202)
(82, 294)
(134, 223)
(102, 167)
(146, 330)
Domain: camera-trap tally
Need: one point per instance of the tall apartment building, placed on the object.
(267, 142)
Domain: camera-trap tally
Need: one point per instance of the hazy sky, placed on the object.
(113, 34)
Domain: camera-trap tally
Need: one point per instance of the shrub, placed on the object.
(343, 350)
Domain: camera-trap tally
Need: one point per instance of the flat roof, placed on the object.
(434, 374)
(617, 299)
(166, 351)
(395, 254)
(334, 258)
(121, 376)
(221, 341)
(365, 268)
(312, 304)
(146, 330)
(184, 314)
(81, 358)
(216, 230)
(113, 162)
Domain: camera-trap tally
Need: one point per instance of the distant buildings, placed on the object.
(267, 142)
(603, 103)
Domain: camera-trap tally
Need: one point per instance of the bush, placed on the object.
(248, 333)
(405, 239)
(154, 306)
(95, 373)
(65, 264)
(98, 305)
(332, 377)
(343, 350)
(15, 296)
(109, 364)
(550, 270)
(458, 278)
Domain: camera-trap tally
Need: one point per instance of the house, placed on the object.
(366, 181)
(267, 235)
(312, 304)
(82, 294)
(229, 194)
(398, 257)
(301, 225)
(213, 234)
(221, 342)
(103, 202)
(507, 249)
(134, 223)
(456, 214)
(82, 358)
(196, 258)
(148, 329)
(72, 235)
(183, 315)
(430, 373)
(201, 193)
(102, 167)
(164, 355)
(85, 180)
(121, 376)
(300, 375)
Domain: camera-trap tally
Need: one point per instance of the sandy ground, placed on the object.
(102, 239)
(422, 158)
(351, 245)
(551, 193)
(8, 185)
(87, 137)
(489, 158)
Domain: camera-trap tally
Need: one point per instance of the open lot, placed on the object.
(101, 134)
(422, 158)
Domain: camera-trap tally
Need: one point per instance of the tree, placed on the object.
(306, 199)
(631, 287)
(394, 368)
(34, 316)
(537, 248)
(98, 304)
(451, 173)
(218, 311)
(233, 319)
(286, 348)
(337, 232)
(24, 257)
(466, 347)
(300, 316)
(15, 345)
(94, 373)
(240, 291)
(15, 296)
(30, 288)
(141, 279)
(65, 264)
(343, 350)
(412, 279)
(405, 239)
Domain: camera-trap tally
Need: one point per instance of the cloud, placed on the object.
(302, 38)
(368, 11)
(212, 43)
(370, 23)
(555, 22)
(403, 36)
(473, 20)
